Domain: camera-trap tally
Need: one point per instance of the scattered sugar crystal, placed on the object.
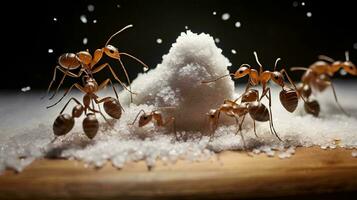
(25, 89)
(233, 51)
(214, 13)
(309, 14)
(50, 50)
(94, 21)
(354, 154)
(217, 40)
(295, 3)
(55, 19)
(302, 3)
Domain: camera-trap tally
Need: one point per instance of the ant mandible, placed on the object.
(86, 62)
(318, 76)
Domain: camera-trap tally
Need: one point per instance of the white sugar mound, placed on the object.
(26, 126)
(177, 81)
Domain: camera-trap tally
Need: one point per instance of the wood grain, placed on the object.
(311, 172)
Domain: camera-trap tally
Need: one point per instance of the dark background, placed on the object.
(272, 28)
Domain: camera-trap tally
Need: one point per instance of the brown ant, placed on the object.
(65, 122)
(155, 115)
(87, 63)
(250, 103)
(288, 96)
(318, 76)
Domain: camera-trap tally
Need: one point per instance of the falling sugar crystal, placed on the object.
(83, 19)
(85, 40)
(55, 19)
(302, 3)
(94, 21)
(233, 51)
(237, 24)
(295, 3)
(50, 51)
(217, 40)
(214, 13)
(159, 40)
(309, 14)
(90, 8)
(225, 16)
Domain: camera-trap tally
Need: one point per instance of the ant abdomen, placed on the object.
(113, 108)
(69, 61)
(312, 107)
(63, 124)
(90, 125)
(258, 111)
(289, 99)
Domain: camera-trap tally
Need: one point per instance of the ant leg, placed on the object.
(255, 131)
(172, 121)
(99, 111)
(137, 116)
(65, 106)
(65, 73)
(105, 83)
(335, 95)
(271, 116)
(79, 87)
(241, 123)
(99, 68)
(240, 132)
(293, 84)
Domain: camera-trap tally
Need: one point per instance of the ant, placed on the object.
(157, 116)
(318, 76)
(87, 63)
(65, 122)
(288, 96)
(250, 103)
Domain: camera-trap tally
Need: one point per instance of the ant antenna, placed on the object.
(326, 58)
(126, 27)
(256, 59)
(347, 55)
(214, 80)
(276, 63)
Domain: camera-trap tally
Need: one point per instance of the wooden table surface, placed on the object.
(312, 172)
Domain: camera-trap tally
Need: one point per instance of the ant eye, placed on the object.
(111, 51)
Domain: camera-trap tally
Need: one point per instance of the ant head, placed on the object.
(242, 71)
(349, 67)
(84, 57)
(278, 78)
(144, 119)
(111, 51)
